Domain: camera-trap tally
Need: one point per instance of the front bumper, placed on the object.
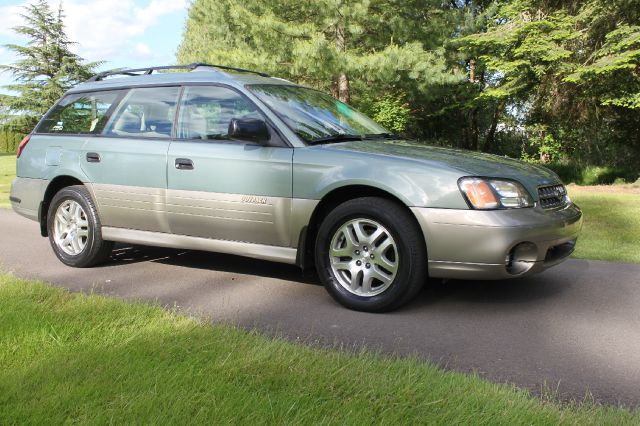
(497, 244)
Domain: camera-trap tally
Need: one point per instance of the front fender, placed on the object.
(317, 171)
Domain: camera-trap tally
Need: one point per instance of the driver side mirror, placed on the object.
(249, 129)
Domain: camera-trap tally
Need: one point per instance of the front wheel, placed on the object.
(74, 228)
(371, 255)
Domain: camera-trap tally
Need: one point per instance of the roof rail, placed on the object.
(148, 71)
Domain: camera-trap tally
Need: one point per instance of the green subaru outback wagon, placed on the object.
(228, 160)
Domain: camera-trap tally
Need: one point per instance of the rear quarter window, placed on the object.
(81, 113)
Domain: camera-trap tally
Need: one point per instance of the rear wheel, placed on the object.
(370, 255)
(74, 228)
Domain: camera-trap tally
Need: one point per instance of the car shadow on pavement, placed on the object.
(514, 291)
(126, 254)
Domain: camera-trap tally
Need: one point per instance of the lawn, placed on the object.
(611, 228)
(73, 358)
(7, 173)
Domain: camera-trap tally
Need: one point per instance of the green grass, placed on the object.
(611, 229)
(7, 173)
(89, 359)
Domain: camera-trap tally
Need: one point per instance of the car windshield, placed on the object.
(315, 116)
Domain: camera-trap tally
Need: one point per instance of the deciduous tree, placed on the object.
(572, 67)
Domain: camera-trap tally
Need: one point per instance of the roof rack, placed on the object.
(148, 71)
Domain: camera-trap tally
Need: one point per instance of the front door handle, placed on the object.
(184, 164)
(93, 157)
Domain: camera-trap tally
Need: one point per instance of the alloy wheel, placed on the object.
(71, 228)
(364, 257)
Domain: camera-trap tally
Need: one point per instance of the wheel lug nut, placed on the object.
(372, 256)
(368, 265)
(358, 262)
(357, 252)
(366, 248)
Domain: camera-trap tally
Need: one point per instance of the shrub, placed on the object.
(592, 175)
(9, 140)
(390, 110)
(619, 181)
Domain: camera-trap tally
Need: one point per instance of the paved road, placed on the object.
(575, 328)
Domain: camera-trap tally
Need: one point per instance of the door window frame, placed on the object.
(122, 104)
(277, 139)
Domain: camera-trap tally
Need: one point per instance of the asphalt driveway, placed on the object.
(574, 329)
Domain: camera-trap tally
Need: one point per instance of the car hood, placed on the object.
(468, 163)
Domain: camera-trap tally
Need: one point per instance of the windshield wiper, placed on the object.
(343, 137)
(380, 136)
(340, 137)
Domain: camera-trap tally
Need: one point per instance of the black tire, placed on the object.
(96, 250)
(412, 266)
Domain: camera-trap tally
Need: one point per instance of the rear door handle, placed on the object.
(184, 164)
(93, 157)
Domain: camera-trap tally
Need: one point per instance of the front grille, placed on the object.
(552, 196)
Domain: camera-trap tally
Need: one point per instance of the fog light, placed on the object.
(521, 258)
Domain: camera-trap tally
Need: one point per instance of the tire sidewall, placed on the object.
(87, 254)
(401, 284)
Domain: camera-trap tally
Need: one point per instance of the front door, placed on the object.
(224, 188)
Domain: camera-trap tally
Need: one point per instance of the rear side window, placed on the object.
(145, 113)
(206, 112)
(82, 113)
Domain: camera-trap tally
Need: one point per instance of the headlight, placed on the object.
(488, 194)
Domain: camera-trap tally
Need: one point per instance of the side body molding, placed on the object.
(257, 251)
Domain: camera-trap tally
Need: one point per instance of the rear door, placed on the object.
(221, 188)
(127, 162)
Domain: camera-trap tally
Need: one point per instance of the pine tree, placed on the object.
(472, 17)
(45, 68)
(355, 49)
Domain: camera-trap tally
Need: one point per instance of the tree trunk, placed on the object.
(465, 135)
(343, 87)
(474, 112)
(343, 79)
(472, 70)
(474, 129)
(335, 90)
(491, 135)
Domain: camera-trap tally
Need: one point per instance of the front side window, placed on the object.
(315, 116)
(207, 111)
(83, 113)
(145, 113)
